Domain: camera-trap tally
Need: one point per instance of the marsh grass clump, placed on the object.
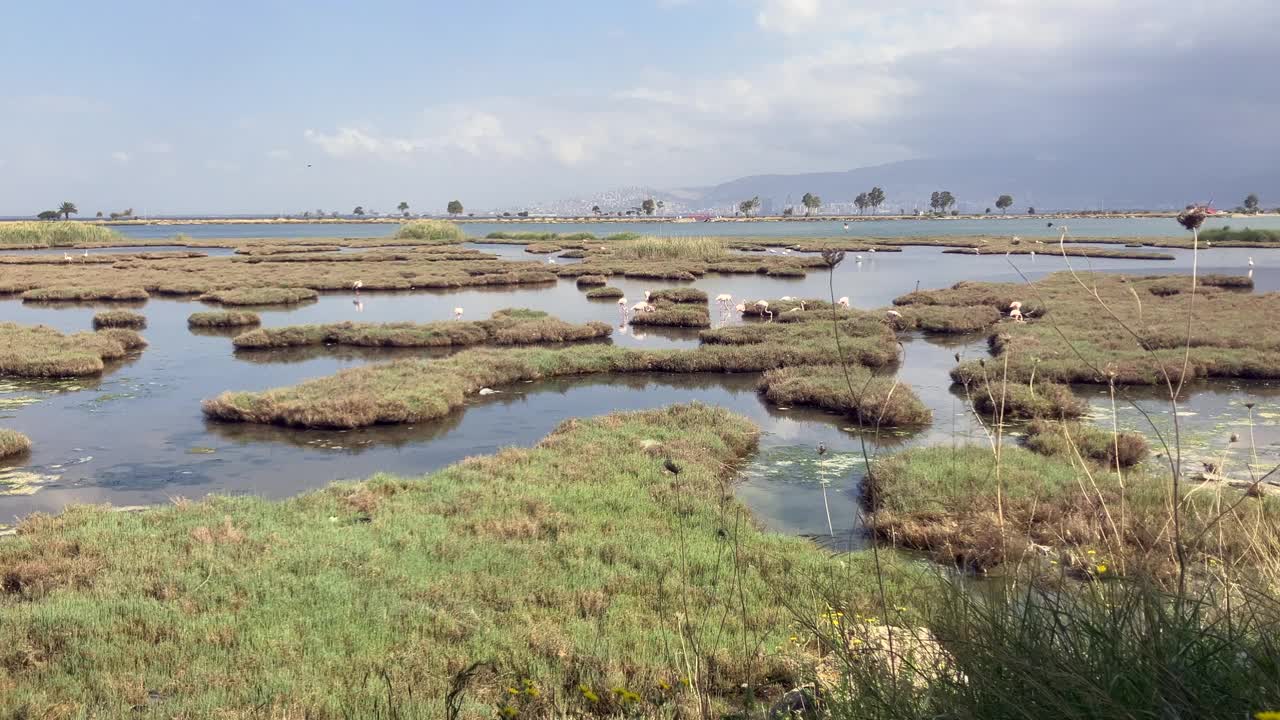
(944, 319)
(542, 248)
(415, 390)
(552, 237)
(876, 400)
(670, 249)
(951, 503)
(670, 314)
(85, 294)
(1069, 439)
(1226, 236)
(506, 327)
(261, 296)
(39, 351)
(556, 560)
(585, 281)
(682, 295)
(267, 250)
(604, 293)
(223, 318)
(1022, 401)
(13, 443)
(119, 319)
(62, 233)
(431, 231)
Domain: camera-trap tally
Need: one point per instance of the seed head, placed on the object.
(832, 257)
(1192, 217)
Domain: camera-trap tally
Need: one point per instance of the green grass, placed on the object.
(40, 351)
(417, 390)
(1068, 440)
(224, 318)
(670, 249)
(1019, 401)
(261, 296)
(946, 501)
(876, 401)
(580, 562)
(13, 443)
(119, 319)
(55, 234)
(85, 294)
(504, 328)
(540, 236)
(1226, 236)
(434, 231)
(604, 293)
(585, 281)
(674, 315)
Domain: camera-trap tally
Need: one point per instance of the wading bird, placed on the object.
(356, 286)
(1250, 262)
(1015, 311)
(740, 307)
(66, 256)
(858, 258)
(551, 261)
(843, 302)
(846, 227)
(457, 313)
(763, 307)
(724, 300)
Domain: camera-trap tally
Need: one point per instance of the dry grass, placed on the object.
(119, 319)
(604, 293)
(223, 318)
(585, 281)
(1068, 440)
(40, 351)
(54, 234)
(13, 443)
(85, 294)
(876, 401)
(670, 249)
(431, 231)
(261, 296)
(504, 328)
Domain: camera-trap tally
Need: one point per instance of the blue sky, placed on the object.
(220, 106)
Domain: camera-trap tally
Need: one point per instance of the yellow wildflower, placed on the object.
(685, 681)
(1093, 552)
(663, 685)
(512, 691)
(1102, 569)
(588, 693)
(1267, 715)
(509, 711)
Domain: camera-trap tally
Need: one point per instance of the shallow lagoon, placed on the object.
(136, 435)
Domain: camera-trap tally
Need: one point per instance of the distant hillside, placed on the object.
(1071, 181)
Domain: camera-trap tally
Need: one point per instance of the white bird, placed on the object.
(457, 313)
(622, 302)
(1015, 311)
(763, 307)
(871, 249)
(646, 296)
(892, 317)
(551, 261)
(724, 300)
(488, 391)
(858, 258)
(843, 302)
(1250, 262)
(741, 307)
(356, 286)
(66, 257)
(787, 298)
(86, 254)
(846, 227)
(642, 307)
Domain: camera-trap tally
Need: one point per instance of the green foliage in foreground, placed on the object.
(55, 234)
(572, 564)
(41, 351)
(441, 231)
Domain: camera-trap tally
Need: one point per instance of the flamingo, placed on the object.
(724, 300)
(86, 254)
(551, 261)
(356, 286)
(1015, 311)
(457, 313)
(642, 307)
(892, 317)
(646, 295)
(1250, 261)
(843, 302)
(740, 307)
(66, 256)
(787, 298)
(858, 258)
(763, 307)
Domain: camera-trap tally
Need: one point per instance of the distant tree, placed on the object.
(306, 214)
(333, 214)
(1004, 202)
(403, 207)
(99, 215)
(788, 211)
(747, 207)
(67, 209)
(523, 213)
(506, 214)
(454, 207)
(595, 209)
(946, 200)
(1251, 203)
(988, 211)
(648, 206)
(862, 202)
(935, 201)
(49, 215)
(875, 198)
(358, 211)
(1031, 210)
(810, 202)
(661, 208)
(319, 212)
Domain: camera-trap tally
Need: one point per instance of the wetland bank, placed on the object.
(630, 555)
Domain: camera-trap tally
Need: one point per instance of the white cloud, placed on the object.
(121, 157)
(348, 142)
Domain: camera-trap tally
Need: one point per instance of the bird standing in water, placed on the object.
(822, 449)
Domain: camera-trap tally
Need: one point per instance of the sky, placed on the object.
(279, 106)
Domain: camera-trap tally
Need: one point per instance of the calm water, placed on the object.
(1013, 225)
(136, 435)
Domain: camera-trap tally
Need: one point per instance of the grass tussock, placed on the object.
(680, 296)
(585, 281)
(542, 248)
(42, 352)
(604, 293)
(85, 294)
(13, 443)
(267, 250)
(1070, 439)
(119, 319)
(431, 231)
(224, 318)
(952, 503)
(261, 296)
(1025, 401)
(504, 328)
(571, 564)
(415, 390)
(526, 237)
(1228, 237)
(55, 234)
(674, 315)
(876, 401)
(670, 249)
(944, 319)
(1230, 334)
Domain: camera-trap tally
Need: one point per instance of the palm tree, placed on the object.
(403, 207)
(67, 209)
